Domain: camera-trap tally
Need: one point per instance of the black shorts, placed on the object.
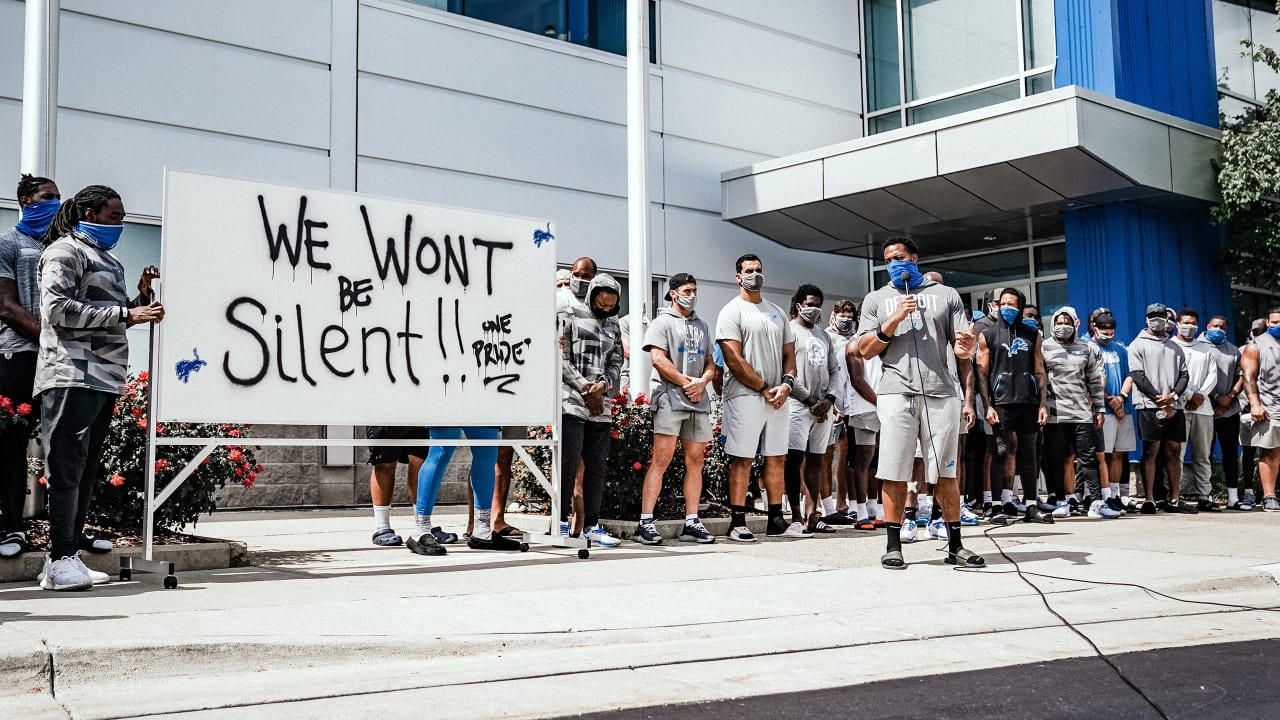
(382, 454)
(1152, 428)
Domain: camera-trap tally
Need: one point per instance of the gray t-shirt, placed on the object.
(1226, 361)
(688, 344)
(917, 361)
(19, 258)
(763, 329)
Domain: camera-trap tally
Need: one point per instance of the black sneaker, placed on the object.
(1113, 502)
(1206, 505)
(425, 544)
(1036, 515)
(1148, 508)
(647, 534)
(777, 526)
(1184, 508)
(495, 542)
(695, 532)
(838, 518)
(1010, 509)
(442, 537)
(1162, 506)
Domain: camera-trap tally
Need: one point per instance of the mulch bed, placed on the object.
(38, 534)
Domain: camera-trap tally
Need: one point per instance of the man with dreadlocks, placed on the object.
(19, 330)
(81, 365)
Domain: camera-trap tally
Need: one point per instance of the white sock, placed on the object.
(1106, 493)
(1124, 489)
(646, 517)
(381, 517)
(872, 504)
(1006, 495)
(828, 506)
(1233, 496)
(986, 496)
(691, 519)
(481, 528)
(862, 511)
(422, 524)
(879, 511)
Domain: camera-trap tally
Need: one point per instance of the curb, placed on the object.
(207, 554)
(670, 529)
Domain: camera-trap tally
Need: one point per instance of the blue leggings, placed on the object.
(482, 462)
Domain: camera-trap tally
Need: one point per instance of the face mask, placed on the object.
(600, 314)
(898, 267)
(104, 236)
(1031, 324)
(37, 217)
(811, 315)
(752, 281)
(1186, 332)
(1217, 336)
(1009, 314)
(844, 325)
(687, 301)
(1274, 331)
(1156, 325)
(1063, 333)
(1104, 339)
(578, 286)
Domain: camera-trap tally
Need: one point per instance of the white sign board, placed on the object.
(300, 306)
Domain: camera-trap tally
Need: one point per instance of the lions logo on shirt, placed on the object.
(817, 354)
(1016, 347)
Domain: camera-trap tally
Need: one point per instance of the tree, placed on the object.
(1249, 179)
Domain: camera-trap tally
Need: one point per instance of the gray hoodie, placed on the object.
(1160, 361)
(1075, 376)
(592, 348)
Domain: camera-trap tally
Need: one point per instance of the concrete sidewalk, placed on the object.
(325, 625)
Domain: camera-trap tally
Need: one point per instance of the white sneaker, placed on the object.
(923, 514)
(908, 532)
(938, 530)
(601, 537)
(1063, 510)
(797, 530)
(741, 534)
(65, 574)
(1099, 510)
(98, 578)
(968, 516)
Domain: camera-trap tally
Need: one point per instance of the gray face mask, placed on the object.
(844, 325)
(1186, 332)
(578, 286)
(1156, 325)
(1063, 333)
(810, 315)
(687, 301)
(752, 281)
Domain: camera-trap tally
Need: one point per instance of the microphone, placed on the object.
(905, 278)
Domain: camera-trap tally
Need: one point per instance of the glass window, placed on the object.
(1263, 27)
(882, 54)
(1038, 44)
(1040, 83)
(953, 44)
(8, 218)
(984, 269)
(1050, 296)
(963, 103)
(600, 24)
(1231, 25)
(1051, 259)
(881, 123)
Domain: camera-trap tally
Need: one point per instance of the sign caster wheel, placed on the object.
(170, 582)
(583, 554)
(126, 575)
(524, 547)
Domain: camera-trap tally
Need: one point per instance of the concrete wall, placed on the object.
(395, 99)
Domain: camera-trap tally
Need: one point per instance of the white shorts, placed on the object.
(807, 432)
(1118, 434)
(1264, 435)
(751, 427)
(908, 422)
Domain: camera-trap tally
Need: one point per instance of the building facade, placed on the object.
(1062, 146)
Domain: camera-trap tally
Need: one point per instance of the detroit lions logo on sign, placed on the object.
(1016, 347)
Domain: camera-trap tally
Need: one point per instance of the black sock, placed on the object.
(775, 512)
(739, 516)
(953, 537)
(894, 539)
(937, 512)
(909, 513)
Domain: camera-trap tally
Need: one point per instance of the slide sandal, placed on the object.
(893, 561)
(966, 558)
(386, 537)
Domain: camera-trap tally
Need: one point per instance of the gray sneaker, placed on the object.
(98, 578)
(1270, 504)
(66, 573)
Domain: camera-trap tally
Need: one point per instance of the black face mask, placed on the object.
(600, 314)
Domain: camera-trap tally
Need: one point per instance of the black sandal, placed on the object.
(892, 560)
(966, 558)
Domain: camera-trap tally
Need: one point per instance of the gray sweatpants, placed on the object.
(1200, 440)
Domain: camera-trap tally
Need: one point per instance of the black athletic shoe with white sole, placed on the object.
(696, 532)
(647, 534)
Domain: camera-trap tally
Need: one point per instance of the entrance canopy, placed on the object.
(995, 176)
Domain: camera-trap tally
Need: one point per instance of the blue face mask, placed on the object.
(1274, 331)
(897, 267)
(37, 217)
(1031, 324)
(104, 236)
(1217, 336)
(1009, 315)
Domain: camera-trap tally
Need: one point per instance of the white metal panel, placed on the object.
(702, 108)
(691, 172)
(12, 20)
(771, 190)
(1193, 157)
(343, 103)
(831, 22)
(426, 51)
(716, 45)
(10, 155)
(878, 166)
(1136, 146)
(134, 160)
(298, 28)
(1008, 136)
(189, 82)
(441, 128)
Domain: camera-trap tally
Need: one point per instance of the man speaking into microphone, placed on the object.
(910, 323)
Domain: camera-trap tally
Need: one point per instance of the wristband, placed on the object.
(764, 388)
(882, 337)
(124, 314)
(789, 380)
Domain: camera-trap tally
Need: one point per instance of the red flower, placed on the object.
(636, 466)
(159, 429)
(641, 399)
(248, 481)
(236, 456)
(624, 422)
(24, 409)
(142, 376)
(142, 423)
(258, 468)
(43, 480)
(239, 472)
(137, 412)
(116, 480)
(234, 432)
(614, 434)
(161, 464)
(6, 403)
(548, 430)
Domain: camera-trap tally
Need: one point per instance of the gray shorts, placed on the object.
(690, 425)
(1118, 434)
(864, 429)
(1264, 435)
(751, 427)
(908, 422)
(808, 432)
